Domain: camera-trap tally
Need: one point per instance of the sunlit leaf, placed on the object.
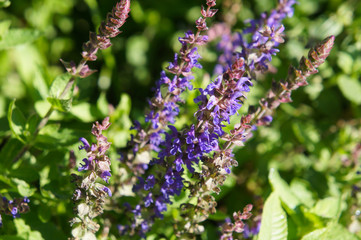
(327, 208)
(16, 37)
(281, 187)
(274, 220)
(59, 102)
(23, 187)
(333, 231)
(17, 121)
(350, 88)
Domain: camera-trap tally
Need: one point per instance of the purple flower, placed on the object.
(137, 210)
(85, 145)
(85, 166)
(148, 200)
(14, 212)
(107, 190)
(105, 176)
(149, 182)
(161, 206)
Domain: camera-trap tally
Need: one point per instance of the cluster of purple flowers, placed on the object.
(13, 207)
(163, 109)
(97, 160)
(219, 101)
(266, 34)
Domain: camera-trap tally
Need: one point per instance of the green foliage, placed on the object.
(16, 37)
(57, 101)
(274, 220)
(301, 170)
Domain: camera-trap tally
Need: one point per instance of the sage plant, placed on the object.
(164, 108)
(89, 195)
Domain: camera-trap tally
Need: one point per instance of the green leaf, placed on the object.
(25, 231)
(83, 111)
(281, 187)
(9, 152)
(58, 102)
(327, 208)
(4, 3)
(52, 136)
(301, 189)
(350, 88)
(306, 133)
(23, 187)
(15, 37)
(333, 231)
(17, 121)
(345, 62)
(274, 220)
(44, 213)
(4, 27)
(102, 104)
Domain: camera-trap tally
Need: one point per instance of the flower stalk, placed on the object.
(89, 195)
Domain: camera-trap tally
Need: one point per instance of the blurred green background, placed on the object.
(311, 141)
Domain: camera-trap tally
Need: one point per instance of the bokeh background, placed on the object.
(312, 141)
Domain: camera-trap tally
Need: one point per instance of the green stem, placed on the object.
(46, 118)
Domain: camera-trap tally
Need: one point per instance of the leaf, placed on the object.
(274, 220)
(306, 133)
(345, 62)
(9, 152)
(4, 27)
(281, 187)
(333, 231)
(327, 208)
(83, 111)
(301, 189)
(25, 231)
(4, 3)
(23, 187)
(17, 121)
(350, 88)
(58, 102)
(16, 37)
(44, 213)
(52, 136)
(102, 104)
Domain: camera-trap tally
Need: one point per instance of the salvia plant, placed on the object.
(225, 147)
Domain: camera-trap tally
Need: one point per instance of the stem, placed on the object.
(46, 118)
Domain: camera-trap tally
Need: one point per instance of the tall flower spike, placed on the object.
(163, 110)
(213, 173)
(219, 101)
(90, 195)
(266, 32)
(108, 29)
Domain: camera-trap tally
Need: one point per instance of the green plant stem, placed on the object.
(46, 118)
